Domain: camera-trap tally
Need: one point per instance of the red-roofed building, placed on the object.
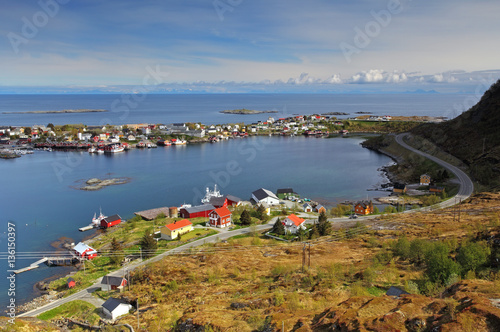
(220, 217)
(111, 221)
(292, 223)
(171, 231)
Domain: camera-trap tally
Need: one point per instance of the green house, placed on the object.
(286, 193)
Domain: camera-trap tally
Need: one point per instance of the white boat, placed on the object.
(114, 148)
(92, 149)
(96, 221)
(100, 150)
(209, 194)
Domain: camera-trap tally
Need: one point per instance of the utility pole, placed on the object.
(141, 253)
(137, 314)
(459, 208)
(303, 257)
(128, 279)
(309, 261)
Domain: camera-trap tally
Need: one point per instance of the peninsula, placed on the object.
(246, 111)
(61, 111)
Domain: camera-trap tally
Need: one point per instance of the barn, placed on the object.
(196, 211)
(111, 221)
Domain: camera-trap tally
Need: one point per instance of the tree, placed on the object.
(261, 213)
(301, 234)
(278, 227)
(472, 255)
(324, 226)
(51, 126)
(245, 218)
(148, 245)
(402, 248)
(314, 233)
(439, 265)
(116, 251)
(27, 131)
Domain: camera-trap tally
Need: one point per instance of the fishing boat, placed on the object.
(209, 194)
(114, 148)
(92, 149)
(96, 221)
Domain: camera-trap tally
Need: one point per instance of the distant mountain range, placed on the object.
(473, 137)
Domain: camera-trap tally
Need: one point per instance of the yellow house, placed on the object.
(425, 180)
(171, 231)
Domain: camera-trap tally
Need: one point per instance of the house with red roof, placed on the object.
(292, 223)
(172, 231)
(220, 217)
(83, 250)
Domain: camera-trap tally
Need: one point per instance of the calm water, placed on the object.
(205, 108)
(37, 193)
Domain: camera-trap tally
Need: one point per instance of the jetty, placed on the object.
(49, 261)
(86, 228)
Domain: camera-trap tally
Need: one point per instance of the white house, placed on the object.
(292, 223)
(307, 207)
(265, 196)
(114, 308)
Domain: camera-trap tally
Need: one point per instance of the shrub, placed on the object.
(402, 248)
(472, 255)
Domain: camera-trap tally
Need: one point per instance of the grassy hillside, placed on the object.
(473, 137)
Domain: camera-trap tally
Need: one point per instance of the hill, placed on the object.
(473, 137)
(256, 284)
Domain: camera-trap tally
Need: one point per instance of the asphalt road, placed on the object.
(466, 189)
(466, 186)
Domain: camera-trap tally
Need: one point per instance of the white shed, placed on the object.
(114, 308)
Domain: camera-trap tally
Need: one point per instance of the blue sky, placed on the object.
(243, 45)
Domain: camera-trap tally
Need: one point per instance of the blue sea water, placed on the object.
(123, 109)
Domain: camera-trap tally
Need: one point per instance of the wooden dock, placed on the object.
(50, 261)
(86, 228)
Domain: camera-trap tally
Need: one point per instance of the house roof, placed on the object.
(399, 186)
(233, 198)
(112, 303)
(285, 191)
(364, 204)
(395, 291)
(306, 205)
(222, 212)
(178, 224)
(319, 206)
(296, 220)
(82, 247)
(200, 208)
(113, 281)
(263, 193)
(217, 201)
(70, 280)
(114, 217)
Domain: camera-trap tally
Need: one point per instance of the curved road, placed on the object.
(466, 189)
(466, 185)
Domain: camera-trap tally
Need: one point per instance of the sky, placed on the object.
(225, 46)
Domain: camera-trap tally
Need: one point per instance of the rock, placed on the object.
(93, 181)
(238, 305)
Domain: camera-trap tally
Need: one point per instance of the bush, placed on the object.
(439, 266)
(402, 248)
(472, 256)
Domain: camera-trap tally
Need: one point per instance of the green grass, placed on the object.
(375, 291)
(80, 309)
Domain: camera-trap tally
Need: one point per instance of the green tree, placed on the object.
(51, 126)
(116, 251)
(314, 232)
(324, 226)
(402, 248)
(472, 256)
(439, 265)
(245, 218)
(301, 234)
(278, 227)
(418, 250)
(261, 213)
(27, 131)
(148, 245)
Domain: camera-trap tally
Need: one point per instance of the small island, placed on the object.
(335, 113)
(57, 112)
(246, 111)
(97, 184)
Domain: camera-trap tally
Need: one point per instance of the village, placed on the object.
(19, 140)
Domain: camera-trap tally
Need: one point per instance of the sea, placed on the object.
(39, 193)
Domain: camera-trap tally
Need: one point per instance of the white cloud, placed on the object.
(379, 76)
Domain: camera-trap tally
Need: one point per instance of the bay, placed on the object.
(38, 196)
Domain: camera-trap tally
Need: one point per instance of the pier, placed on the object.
(86, 228)
(49, 261)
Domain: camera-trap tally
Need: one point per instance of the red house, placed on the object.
(219, 202)
(84, 251)
(70, 282)
(111, 221)
(196, 211)
(220, 217)
(364, 208)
